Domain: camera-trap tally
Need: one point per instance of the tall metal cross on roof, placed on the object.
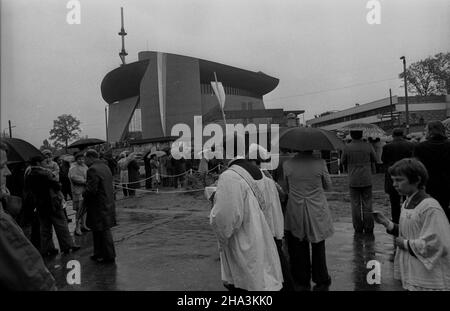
(122, 33)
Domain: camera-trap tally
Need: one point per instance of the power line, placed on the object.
(330, 90)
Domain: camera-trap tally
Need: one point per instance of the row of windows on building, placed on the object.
(356, 116)
(206, 89)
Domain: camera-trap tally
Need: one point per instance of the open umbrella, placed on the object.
(307, 138)
(369, 130)
(83, 143)
(20, 150)
(158, 153)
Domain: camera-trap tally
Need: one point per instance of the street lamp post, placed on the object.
(106, 124)
(406, 95)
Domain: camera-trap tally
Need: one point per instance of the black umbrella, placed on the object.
(20, 150)
(307, 138)
(83, 143)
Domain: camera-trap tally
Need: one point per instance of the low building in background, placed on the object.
(422, 109)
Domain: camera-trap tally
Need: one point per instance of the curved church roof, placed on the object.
(124, 82)
(255, 82)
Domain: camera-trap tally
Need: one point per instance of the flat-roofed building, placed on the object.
(422, 109)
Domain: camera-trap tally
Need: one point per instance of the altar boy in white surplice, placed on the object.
(422, 260)
(248, 254)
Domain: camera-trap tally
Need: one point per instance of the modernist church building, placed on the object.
(146, 98)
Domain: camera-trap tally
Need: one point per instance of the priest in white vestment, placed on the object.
(248, 254)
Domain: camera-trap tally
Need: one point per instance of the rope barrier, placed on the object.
(190, 172)
(162, 192)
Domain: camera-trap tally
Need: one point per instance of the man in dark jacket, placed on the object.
(43, 192)
(133, 176)
(398, 149)
(434, 153)
(101, 210)
(357, 158)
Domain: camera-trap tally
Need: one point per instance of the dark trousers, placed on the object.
(104, 244)
(288, 284)
(148, 180)
(55, 219)
(131, 191)
(235, 290)
(66, 190)
(361, 201)
(301, 263)
(395, 200)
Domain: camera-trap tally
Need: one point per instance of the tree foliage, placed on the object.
(430, 76)
(65, 128)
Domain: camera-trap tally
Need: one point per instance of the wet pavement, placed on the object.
(164, 245)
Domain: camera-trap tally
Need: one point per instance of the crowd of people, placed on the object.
(161, 170)
(28, 223)
(418, 184)
(271, 227)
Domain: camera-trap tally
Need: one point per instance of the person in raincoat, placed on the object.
(422, 236)
(77, 177)
(308, 219)
(123, 169)
(101, 209)
(133, 175)
(154, 166)
(248, 254)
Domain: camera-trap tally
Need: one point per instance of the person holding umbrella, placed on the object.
(307, 221)
(308, 218)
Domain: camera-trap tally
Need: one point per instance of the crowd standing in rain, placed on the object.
(271, 227)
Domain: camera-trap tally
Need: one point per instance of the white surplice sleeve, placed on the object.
(434, 238)
(276, 223)
(228, 211)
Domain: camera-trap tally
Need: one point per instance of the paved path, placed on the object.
(165, 243)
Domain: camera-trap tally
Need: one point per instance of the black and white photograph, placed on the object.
(225, 146)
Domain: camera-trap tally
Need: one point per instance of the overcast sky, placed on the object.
(324, 52)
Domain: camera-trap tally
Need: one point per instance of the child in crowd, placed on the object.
(422, 260)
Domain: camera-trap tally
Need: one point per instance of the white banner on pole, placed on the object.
(220, 92)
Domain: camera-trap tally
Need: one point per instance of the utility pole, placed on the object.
(406, 95)
(10, 128)
(392, 108)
